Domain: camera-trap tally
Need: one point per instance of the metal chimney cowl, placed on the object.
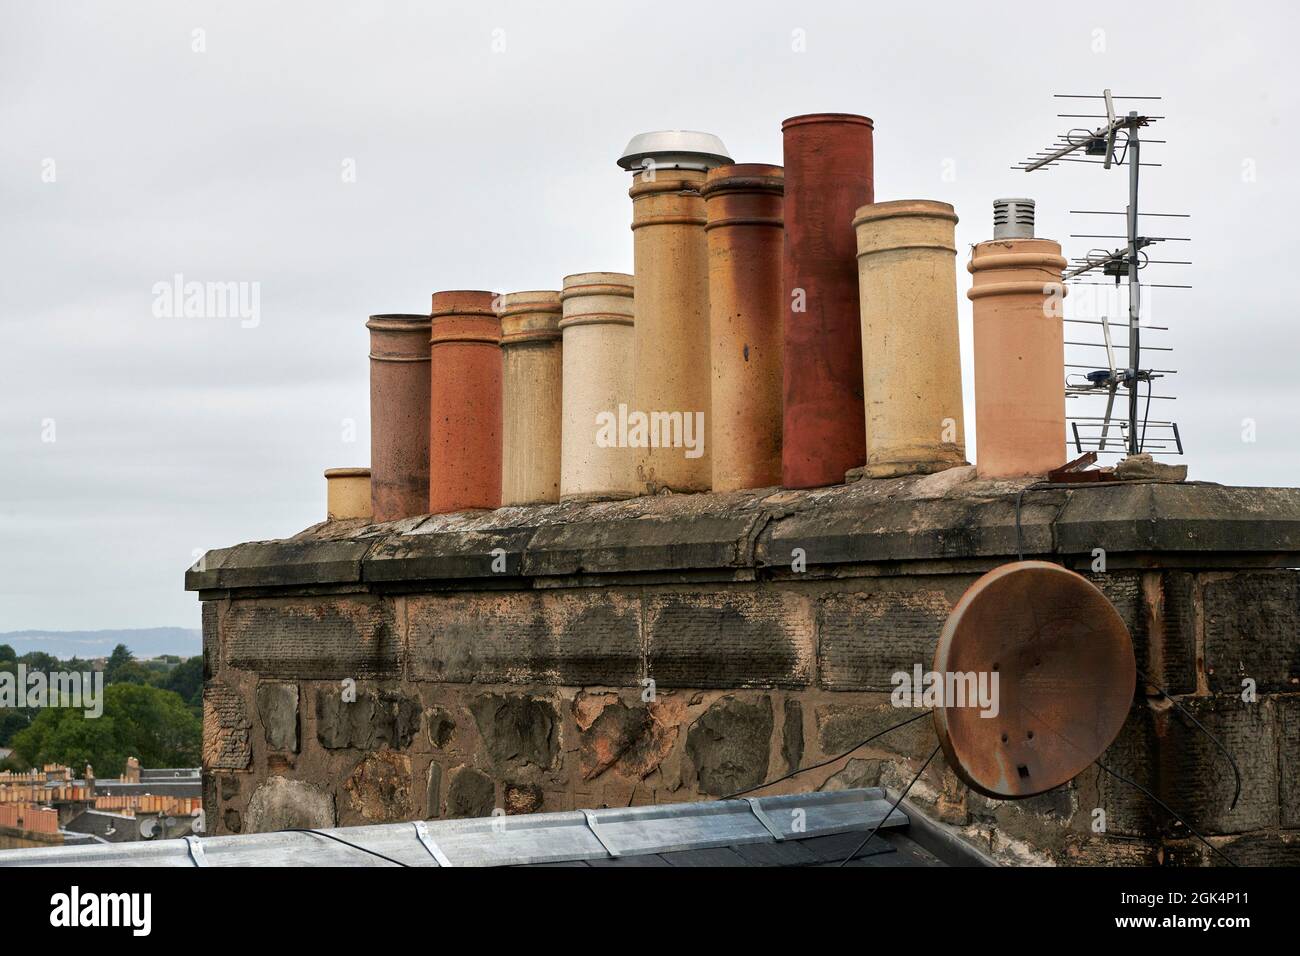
(1013, 218)
(675, 149)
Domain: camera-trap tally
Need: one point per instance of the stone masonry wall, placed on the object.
(659, 666)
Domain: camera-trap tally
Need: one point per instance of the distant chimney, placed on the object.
(132, 772)
(1013, 219)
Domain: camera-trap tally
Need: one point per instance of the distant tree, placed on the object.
(13, 720)
(7, 653)
(120, 657)
(39, 661)
(186, 679)
(146, 722)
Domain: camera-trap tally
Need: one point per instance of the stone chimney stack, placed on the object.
(1016, 299)
(828, 175)
(671, 361)
(132, 772)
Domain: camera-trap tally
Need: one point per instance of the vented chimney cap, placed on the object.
(675, 149)
(1013, 218)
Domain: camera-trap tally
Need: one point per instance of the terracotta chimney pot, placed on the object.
(347, 493)
(1019, 356)
(743, 204)
(399, 415)
(530, 398)
(465, 403)
(828, 175)
(597, 380)
(911, 369)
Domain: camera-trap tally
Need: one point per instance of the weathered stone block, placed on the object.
(211, 640)
(1174, 667)
(792, 734)
(579, 637)
(1288, 732)
(440, 725)
(1196, 778)
(280, 803)
(379, 787)
(868, 636)
(324, 638)
(277, 708)
(729, 744)
(517, 730)
(1128, 811)
(632, 739)
(374, 719)
(433, 792)
(841, 727)
(1252, 620)
(523, 798)
(471, 793)
(856, 773)
(226, 727)
(733, 637)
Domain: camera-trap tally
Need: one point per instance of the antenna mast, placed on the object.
(1121, 263)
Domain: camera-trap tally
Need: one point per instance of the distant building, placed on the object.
(51, 806)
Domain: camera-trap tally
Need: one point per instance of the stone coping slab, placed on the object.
(945, 517)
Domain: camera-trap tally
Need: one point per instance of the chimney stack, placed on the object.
(465, 402)
(671, 359)
(911, 371)
(530, 398)
(597, 347)
(399, 416)
(743, 205)
(347, 493)
(828, 175)
(1019, 346)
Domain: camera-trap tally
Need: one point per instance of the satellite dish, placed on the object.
(1066, 677)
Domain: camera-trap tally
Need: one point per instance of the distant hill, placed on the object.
(143, 642)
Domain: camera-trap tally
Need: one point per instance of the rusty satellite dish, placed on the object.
(1066, 677)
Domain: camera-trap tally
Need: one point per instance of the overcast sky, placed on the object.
(351, 158)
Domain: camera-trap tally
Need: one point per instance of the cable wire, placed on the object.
(829, 760)
(355, 846)
(1165, 807)
(1236, 771)
(892, 808)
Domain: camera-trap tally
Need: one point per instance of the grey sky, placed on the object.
(494, 168)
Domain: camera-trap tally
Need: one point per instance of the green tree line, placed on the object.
(152, 711)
